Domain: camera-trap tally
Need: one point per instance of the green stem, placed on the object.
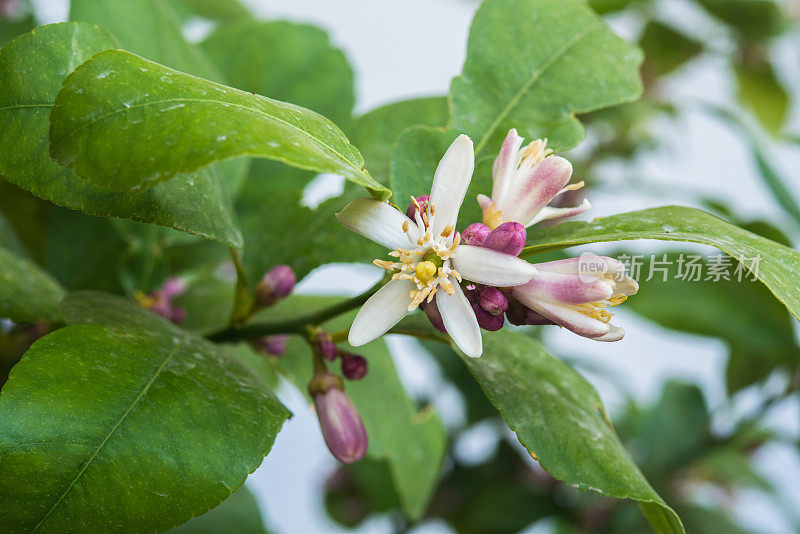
(298, 325)
(242, 304)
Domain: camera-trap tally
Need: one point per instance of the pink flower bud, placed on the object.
(493, 301)
(339, 420)
(432, 312)
(354, 367)
(173, 287)
(274, 345)
(276, 284)
(412, 208)
(178, 315)
(486, 320)
(509, 237)
(326, 346)
(474, 234)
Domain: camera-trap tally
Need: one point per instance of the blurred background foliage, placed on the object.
(697, 457)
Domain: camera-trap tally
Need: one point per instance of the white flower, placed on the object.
(429, 259)
(525, 180)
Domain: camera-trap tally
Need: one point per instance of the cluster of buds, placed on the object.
(160, 300)
(276, 284)
(354, 367)
(339, 420)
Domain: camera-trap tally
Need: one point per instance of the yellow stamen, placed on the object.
(447, 230)
(405, 226)
(574, 187)
(383, 264)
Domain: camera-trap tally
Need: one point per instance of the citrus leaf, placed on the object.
(27, 293)
(126, 123)
(125, 423)
(776, 265)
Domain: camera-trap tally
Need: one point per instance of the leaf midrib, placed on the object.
(535, 76)
(110, 433)
(102, 118)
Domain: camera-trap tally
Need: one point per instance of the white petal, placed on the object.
(549, 213)
(615, 333)
(490, 267)
(382, 311)
(460, 321)
(450, 182)
(378, 221)
(505, 164)
(565, 315)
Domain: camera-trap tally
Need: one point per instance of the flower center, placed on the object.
(427, 262)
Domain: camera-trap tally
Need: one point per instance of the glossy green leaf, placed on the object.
(778, 266)
(738, 310)
(27, 293)
(9, 239)
(238, 514)
(151, 28)
(33, 68)
(142, 425)
(376, 132)
(759, 90)
(533, 64)
(127, 123)
(666, 49)
(560, 420)
(411, 440)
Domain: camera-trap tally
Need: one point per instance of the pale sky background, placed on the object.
(410, 48)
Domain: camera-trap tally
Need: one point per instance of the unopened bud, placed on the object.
(432, 312)
(276, 284)
(474, 234)
(486, 320)
(275, 345)
(173, 287)
(354, 367)
(412, 208)
(521, 315)
(339, 420)
(493, 301)
(326, 346)
(509, 237)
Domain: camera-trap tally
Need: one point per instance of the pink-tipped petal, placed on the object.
(505, 164)
(378, 221)
(450, 182)
(460, 321)
(526, 197)
(490, 267)
(382, 311)
(566, 316)
(554, 214)
(566, 288)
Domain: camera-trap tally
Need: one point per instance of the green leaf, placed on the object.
(148, 28)
(214, 9)
(752, 19)
(412, 441)
(27, 293)
(376, 132)
(130, 426)
(533, 64)
(758, 330)
(665, 48)
(238, 514)
(127, 123)
(9, 239)
(152, 29)
(290, 62)
(778, 265)
(759, 90)
(33, 67)
(560, 420)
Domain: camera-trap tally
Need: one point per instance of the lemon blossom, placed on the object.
(428, 259)
(525, 181)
